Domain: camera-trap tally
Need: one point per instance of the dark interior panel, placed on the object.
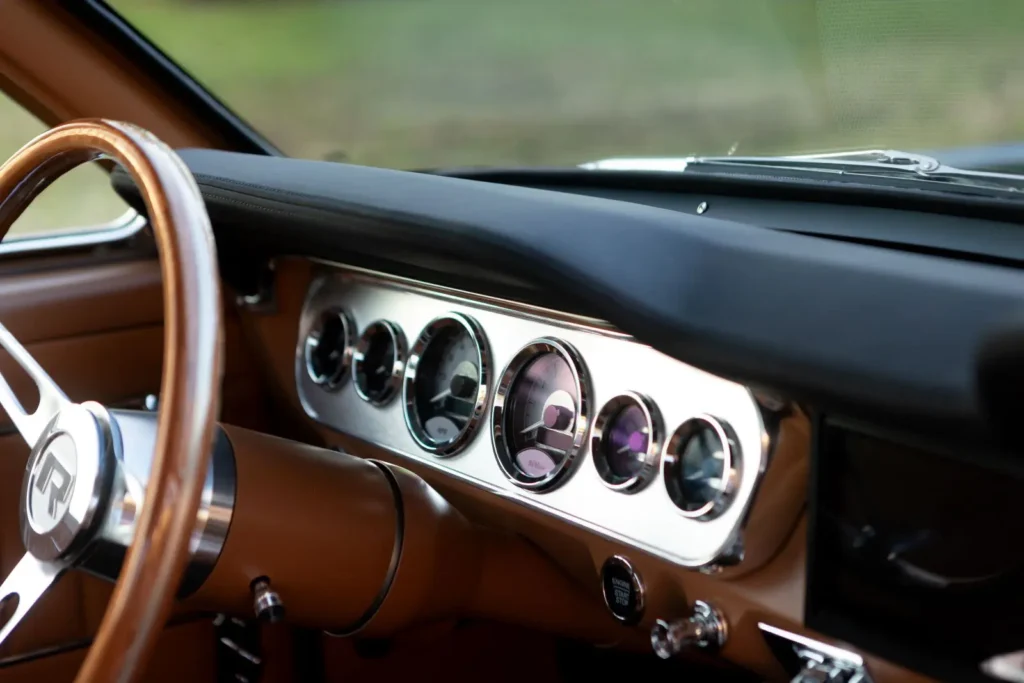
(914, 553)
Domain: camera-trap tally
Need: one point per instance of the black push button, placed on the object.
(623, 590)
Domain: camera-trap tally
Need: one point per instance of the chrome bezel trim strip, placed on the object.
(396, 556)
(312, 342)
(656, 432)
(122, 228)
(482, 301)
(581, 379)
(452, 446)
(397, 364)
(731, 467)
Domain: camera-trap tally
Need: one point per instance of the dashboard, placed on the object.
(795, 410)
(556, 412)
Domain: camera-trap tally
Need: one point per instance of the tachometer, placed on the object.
(541, 414)
(446, 384)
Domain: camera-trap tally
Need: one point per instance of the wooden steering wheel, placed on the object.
(74, 489)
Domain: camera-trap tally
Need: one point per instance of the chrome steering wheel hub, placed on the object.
(67, 481)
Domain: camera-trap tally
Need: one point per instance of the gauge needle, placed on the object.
(624, 449)
(443, 395)
(536, 425)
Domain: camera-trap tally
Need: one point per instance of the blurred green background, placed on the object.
(435, 83)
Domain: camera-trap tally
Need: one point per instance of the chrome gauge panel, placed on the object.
(541, 414)
(607, 408)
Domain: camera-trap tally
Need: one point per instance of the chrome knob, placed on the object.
(266, 602)
(706, 628)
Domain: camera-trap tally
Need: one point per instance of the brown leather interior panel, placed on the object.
(61, 303)
(468, 652)
(60, 73)
(184, 653)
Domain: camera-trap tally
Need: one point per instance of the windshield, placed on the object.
(442, 83)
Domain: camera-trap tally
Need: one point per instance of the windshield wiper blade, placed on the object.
(872, 162)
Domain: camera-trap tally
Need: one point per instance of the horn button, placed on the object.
(67, 482)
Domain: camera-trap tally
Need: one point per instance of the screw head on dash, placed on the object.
(702, 207)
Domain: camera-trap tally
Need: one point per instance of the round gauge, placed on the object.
(328, 348)
(445, 388)
(701, 466)
(626, 442)
(541, 414)
(378, 361)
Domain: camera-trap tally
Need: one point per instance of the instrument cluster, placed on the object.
(557, 412)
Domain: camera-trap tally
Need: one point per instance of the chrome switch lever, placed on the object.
(810, 661)
(706, 628)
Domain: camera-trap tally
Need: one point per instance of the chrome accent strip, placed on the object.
(396, 557)
(655, 434)
(120, 229)
(646, 520)
(484, 301)
(397, 364)
(806, 659)
(483, 355)
(732, 467)
(519, 362)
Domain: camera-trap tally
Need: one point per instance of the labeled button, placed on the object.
(623, 590)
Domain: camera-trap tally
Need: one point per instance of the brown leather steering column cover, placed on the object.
(321, 526)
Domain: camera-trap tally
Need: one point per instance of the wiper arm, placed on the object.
(873, 162)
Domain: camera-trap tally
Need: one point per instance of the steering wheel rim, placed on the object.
(190, 383)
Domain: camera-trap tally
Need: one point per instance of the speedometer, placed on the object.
(446, 384)
(541, 414)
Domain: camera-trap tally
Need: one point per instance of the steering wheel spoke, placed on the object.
(26, 584)
(51, 398)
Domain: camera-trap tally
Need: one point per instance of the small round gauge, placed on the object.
(626, 442)
(541, 414)
(378, 361)
(701, 467)
(446, 384)
(328, 348)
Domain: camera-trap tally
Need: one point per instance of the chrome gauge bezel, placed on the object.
(397, 366)
(732, 470)
(312, 341)
(581, 379)
(439, 324)
(656, 433)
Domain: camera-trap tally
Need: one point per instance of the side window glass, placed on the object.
(81, 200)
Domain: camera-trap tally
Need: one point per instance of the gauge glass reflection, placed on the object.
(702, 466)
(447, 395)
(540, 414)
(625, 443)
(377, 359)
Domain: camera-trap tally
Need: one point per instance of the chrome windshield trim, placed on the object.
(122, 228)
